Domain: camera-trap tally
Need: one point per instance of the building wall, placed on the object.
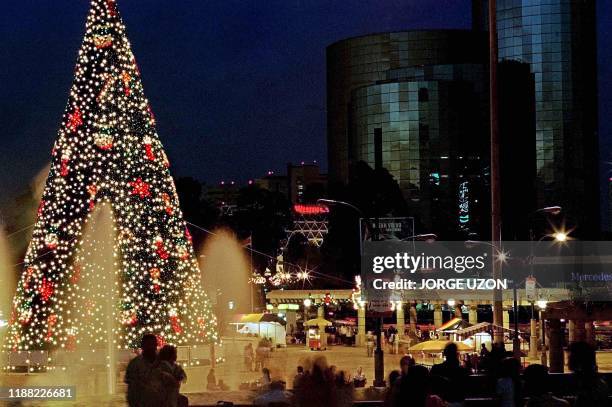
(360, 61)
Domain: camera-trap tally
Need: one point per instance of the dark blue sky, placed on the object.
(238, 87)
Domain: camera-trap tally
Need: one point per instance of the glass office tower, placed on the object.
(558, 39)
(360, 61)
(434, 122)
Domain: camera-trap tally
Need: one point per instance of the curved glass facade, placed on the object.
(360, 61)
(434, 125)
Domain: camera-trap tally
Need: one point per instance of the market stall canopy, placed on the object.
(438, 346)
(257, 318)
(453, 325)
(349, 322)
(483, 327)
(318, 322)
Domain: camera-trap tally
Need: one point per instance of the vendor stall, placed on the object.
(316, 336)
(262, 325)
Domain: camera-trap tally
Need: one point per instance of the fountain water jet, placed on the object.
(225, 274)
(95, 292)
(7, 282)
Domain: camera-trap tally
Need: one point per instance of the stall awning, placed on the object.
(350, 322)
(483, 327)
(318, 322)
(257, 318)
(453, 325)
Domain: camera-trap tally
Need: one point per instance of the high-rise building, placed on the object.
(557, 38)
(306, 182)
(434, 126)
(426, 92)
(362, 61)
(517, 150)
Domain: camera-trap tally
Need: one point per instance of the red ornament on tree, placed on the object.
(93, 191)
(41, 208)
(51, 321)
(148, 148)
(140, 188)
(46, 289)
(175, 322)
(188, 235)
(126, 77)
(75, 120)
(155, 273)
(111, 7)
(202, 326)
(108, 79)
(28, 277)
(160, 248)
(71, 342)
(160, 341)
(64, 163)
(167, 203)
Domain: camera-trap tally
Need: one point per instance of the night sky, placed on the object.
(237, 86)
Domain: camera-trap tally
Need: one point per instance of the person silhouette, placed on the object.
(140, 391)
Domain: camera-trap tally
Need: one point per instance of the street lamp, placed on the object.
(502, 257)
(336, 202)
(427, 237)
(551, 210)
(541, 303)
(379, 361)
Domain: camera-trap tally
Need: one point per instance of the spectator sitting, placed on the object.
(590, 389)
(457, 375)
(265, 377)
(276, 396)
(298, 377)
(415, 388)
(359, 380)
(316, 389)
(169, 375)
(405, 363)
(394, 380)
(344, 390)
(537, 388)
(508, 385)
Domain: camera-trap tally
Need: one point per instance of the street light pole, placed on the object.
(379, 360)
(495, 177)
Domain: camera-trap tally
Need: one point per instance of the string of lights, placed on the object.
(108, 151)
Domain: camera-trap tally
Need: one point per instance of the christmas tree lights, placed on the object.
(108, 151)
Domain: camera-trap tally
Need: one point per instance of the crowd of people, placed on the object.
(256, 359)
(154, 379)
(447, 384)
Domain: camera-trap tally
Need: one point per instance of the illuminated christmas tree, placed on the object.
(108, 152)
